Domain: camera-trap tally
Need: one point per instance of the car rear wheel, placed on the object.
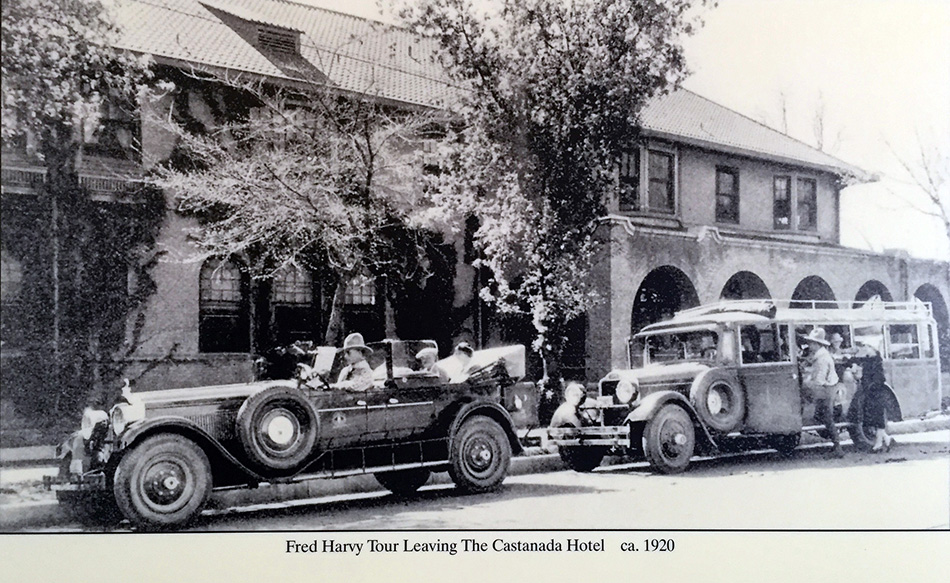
(403, 482)
(669, 440)
(480, 455)
(163, 482)
(277, 428)
(582, 459)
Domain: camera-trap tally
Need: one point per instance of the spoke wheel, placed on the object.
(480, 456)
(163, 482)
(669, 440)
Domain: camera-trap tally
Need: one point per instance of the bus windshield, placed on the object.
(681, 346)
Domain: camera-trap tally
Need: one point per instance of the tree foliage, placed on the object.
(59, 61)
(59, 66)
(553, 91)
(312, 179)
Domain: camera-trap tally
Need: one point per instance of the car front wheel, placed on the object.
(163, 482)
(669, 439)
(480, 456)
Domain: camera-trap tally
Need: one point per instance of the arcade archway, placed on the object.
(663, 292)
(870, 289)
(811, 292)
(745, 285)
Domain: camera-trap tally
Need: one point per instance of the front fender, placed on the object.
(493, 411)
(217, 454)
(649, 405)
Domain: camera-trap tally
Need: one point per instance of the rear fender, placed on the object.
(653, 402)
(492, 411)
(222, 461)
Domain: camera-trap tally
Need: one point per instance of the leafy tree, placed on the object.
(312, 179)
(553, 91)
(59, 67)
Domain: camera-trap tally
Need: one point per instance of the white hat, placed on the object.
(355, 340)
(817, 335)
(428, 351)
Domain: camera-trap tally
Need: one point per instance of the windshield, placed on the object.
(404, 354)
(682, 346)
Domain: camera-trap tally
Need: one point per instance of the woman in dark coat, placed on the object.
(871, 376)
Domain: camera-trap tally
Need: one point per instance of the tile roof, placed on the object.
(389, 62)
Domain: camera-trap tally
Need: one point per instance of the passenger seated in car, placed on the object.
(357, 375)
(428, 358)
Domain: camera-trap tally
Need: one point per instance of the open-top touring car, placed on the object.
(729, 376)
(155, 457)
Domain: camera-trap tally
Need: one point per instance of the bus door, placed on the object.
(770, 378)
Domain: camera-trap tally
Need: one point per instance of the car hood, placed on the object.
(194, 395)
(660, 372)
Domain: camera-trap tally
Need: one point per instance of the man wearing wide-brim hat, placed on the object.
(821, 380)
(356, 375)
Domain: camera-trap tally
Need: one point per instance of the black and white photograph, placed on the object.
(334, 284)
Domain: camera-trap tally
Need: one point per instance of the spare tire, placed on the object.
(278, 428)
(719, 401)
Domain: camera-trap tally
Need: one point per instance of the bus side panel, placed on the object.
(915, 383)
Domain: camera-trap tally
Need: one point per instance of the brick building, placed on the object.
(711, 205)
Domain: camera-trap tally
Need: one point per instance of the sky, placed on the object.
(880, 71)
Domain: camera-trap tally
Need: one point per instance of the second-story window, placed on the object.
(360, 291)
(727, 195)
(630, 180)
(115, 134)
(660, 182)
(807, 204)
(782, 202)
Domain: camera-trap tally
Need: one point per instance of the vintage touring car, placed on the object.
(728, 376)
(157, 455)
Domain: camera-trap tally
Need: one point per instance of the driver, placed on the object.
(356, 375)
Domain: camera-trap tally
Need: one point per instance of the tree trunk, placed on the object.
(335, 322)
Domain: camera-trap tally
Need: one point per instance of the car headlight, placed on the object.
(125, 413)
(626, 390)
(90, 418)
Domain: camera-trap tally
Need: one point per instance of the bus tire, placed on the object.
(720, 404)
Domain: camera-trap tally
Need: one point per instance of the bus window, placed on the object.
(903, 341)
(872, 336)
(764, 343)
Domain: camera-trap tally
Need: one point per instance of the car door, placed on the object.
(771, 380)
(410, 406)
(343, 418)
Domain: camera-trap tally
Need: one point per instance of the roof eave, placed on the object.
(848, 173)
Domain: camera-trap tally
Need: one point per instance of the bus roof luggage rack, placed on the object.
(768, 307)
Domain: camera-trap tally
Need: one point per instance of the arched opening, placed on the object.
(745, 285)
(224, 307)
(928, 293)
(870, 289)
(664, 291)
(812, 292)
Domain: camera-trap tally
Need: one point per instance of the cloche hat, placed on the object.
(355, 340)
(817, 335)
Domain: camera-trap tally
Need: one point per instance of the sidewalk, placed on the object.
(25, 504)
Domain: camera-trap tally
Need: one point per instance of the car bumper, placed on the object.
(88, 482)
(618, 435)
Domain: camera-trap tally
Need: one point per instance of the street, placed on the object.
(907, 488)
